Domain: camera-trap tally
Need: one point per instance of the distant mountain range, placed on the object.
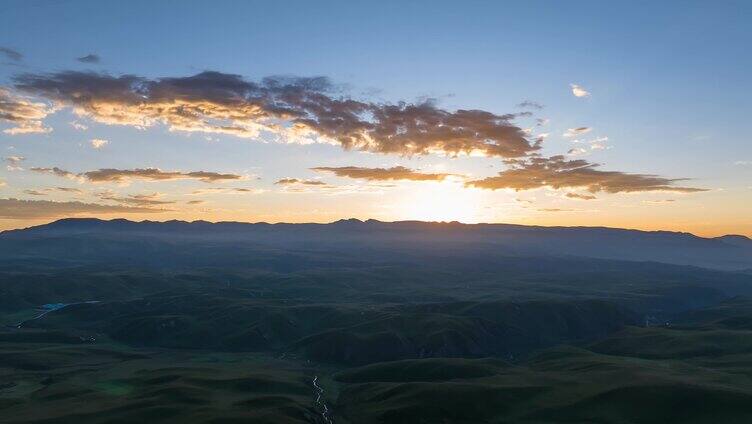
(89, 239)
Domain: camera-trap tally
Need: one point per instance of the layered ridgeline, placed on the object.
(201, 242)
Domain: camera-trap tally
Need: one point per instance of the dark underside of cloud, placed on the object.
(215, 102)
(10, 54)
(559, 173)
(381, 174)
(45, 209)
(89, 58)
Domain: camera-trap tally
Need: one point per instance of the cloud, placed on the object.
(143, 174)
(225, 190)
(2, 183)
(11, 54)
(290, 181)
(530, 104)
(14, 163)
(46, 191)
(149, 199)
(576, 151)
(89, 58)
(39, 209)
(24, 114)
(69, 190)
(58, 173)
(557, 172)
(743, 162)
(98, 143)
(556, 210)
(382, 174)
(290, 108)
(574, 132)
(579, 91)
(658, 202)
(586, 145)
(154, 174)
(79, 126)
(195, 202)
(580, 196)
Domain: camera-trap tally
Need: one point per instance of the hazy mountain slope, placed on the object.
(91, 239)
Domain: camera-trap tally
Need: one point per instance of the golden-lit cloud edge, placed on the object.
(557, 172)
(383, 174)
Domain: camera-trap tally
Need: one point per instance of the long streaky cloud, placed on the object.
(557, 172)
(293, 181)
(58, 173)
(382, 174)
(292, 108)
(45, 209)
(109, 175)
(155, 174)
(148, 199)
(225, 190)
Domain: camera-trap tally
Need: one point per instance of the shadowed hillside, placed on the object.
(369, 322)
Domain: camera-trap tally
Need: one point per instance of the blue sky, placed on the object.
(668, 81)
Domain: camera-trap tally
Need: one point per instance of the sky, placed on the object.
(620, 114)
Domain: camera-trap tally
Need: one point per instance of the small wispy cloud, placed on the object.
(658, 202)
(79, 126)
(98, 143)
(576, 151)
(225, 190)
(89, 58)
(579, 91)
(290, 181)
(14, 163)
(579, 196)
(575, 132)
(556, 210)
(530, 104)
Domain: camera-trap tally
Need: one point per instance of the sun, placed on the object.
(444, 201)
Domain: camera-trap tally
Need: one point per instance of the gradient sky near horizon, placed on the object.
(622, 114)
